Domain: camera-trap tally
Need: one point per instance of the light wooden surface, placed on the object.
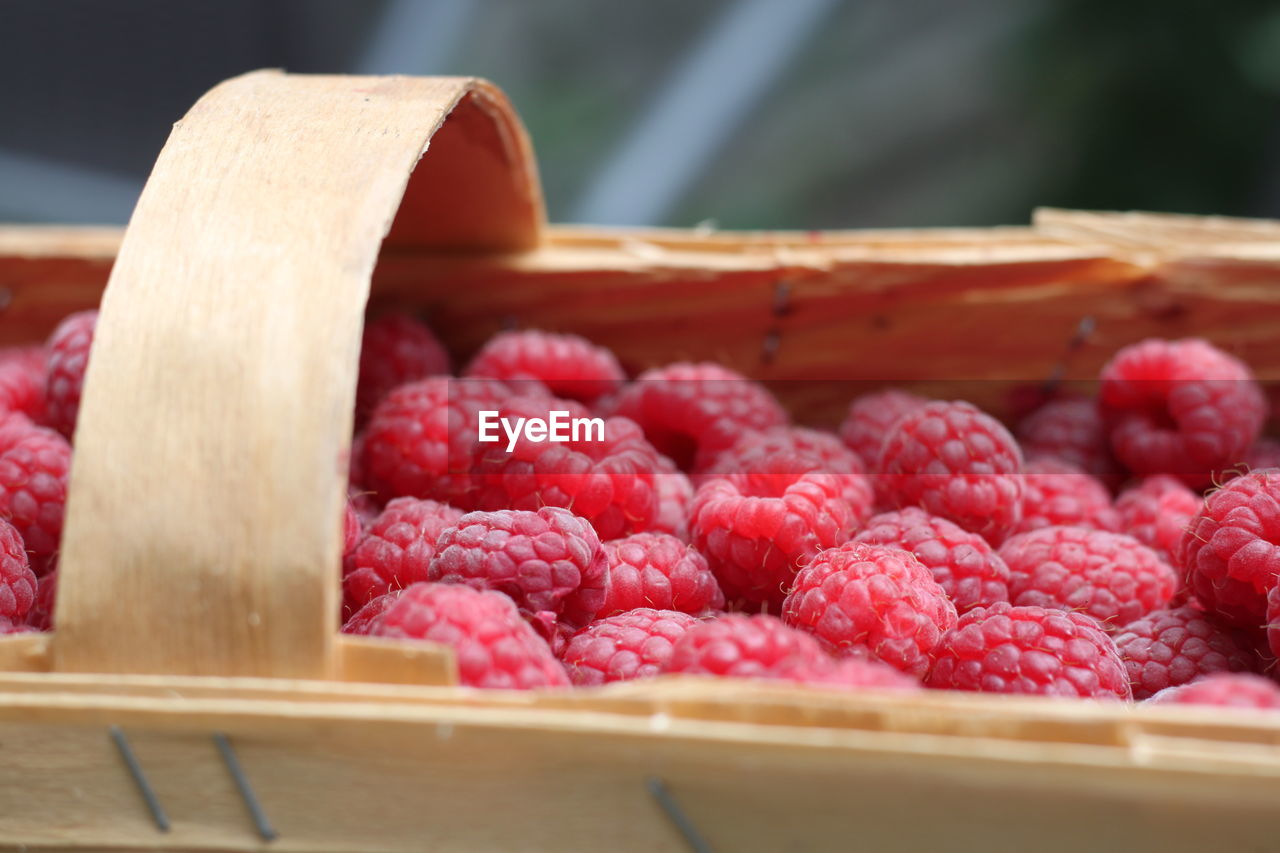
(376, 775)
(824, 320)
(202, 531)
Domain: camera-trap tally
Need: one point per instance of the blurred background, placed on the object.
(742, 113)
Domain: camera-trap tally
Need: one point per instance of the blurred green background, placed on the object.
(744, 113)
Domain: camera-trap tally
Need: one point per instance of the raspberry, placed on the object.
(1228, 690)
(1034, 650)
(7, 627)
(1230, 554)
(396, 349)
(757, 529)
(68, 357)
(784, 455)
(15, 426)
(1180, 407)
(954, 461)
(656, 570)
(675, 494)
(871, 600)
(33, 489)
(966, 567)
(1112, 577)
(609, 482)
(852, 673)
(493, 645)
(1071, 431)
(1171, 647)
(870, 417)
(397, 549)
(1273, 620)
(352, 528)
(693, 412)
(364, 618)
(549, 561)
(1157, 512)
(33, 357)
(823, 447)
(21, 390)
(739, 646)
(17, 581)
(1058, 493)
(629, 645)
(567, 365)
(420, 437)
(40, 616)
(1265, 453)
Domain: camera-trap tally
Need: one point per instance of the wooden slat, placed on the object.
(222, 379)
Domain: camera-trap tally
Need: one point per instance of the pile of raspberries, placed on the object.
(1125, 545)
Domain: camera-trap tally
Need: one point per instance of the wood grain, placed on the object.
(376, 777)
(209, 476)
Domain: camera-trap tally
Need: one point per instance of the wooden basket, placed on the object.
(199, 574)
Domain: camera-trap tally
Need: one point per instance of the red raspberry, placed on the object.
(824, 447)
(1112, 577)
(629, 645)
(871, 601)
(954, 461)
(966, 567)
(549, 561)
(1157, 512)
(493, 645)
(396, 349)
(33, 489)
(757, 529)
(608, 482)
(17, 581)
(693, 412)
(1180, 407)
(785, 451)
(1071, 431)
(352, 528)
(420, 438)
(33, 357)
(363, 619)
(397, 549)
(1273, 620)
(1230, 553)
(870, 417)
(567, 365)
(68, 357)
(1058, 493)
(739, 646)
(21, 390)
(852, 674)
(675, 494)
(1047, 652)
(15, 426)
(1265, 453)
(1227, 690)
(1171, 647)
(40, 616)
(7, 627)
(656, 570)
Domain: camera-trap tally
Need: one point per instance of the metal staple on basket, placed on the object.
(229, 758)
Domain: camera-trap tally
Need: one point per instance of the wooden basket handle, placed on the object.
(202, 526)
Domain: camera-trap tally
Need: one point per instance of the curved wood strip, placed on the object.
(202, 530)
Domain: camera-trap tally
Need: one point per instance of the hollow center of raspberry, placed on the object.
(676, 446)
